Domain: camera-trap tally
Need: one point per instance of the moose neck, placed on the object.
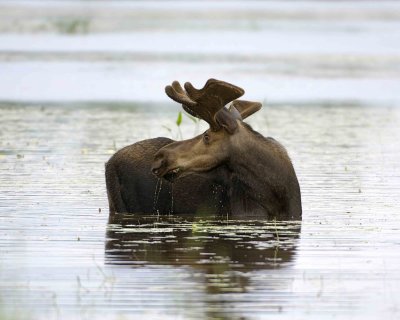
(254, 172)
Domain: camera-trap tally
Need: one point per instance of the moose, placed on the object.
(229, 169)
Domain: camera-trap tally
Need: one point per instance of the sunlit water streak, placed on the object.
(60, 258)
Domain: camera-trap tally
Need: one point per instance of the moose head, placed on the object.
(214, 147)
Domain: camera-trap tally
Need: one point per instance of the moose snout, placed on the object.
(158, 166)
(160, 163)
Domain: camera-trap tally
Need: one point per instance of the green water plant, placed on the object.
(178, 123)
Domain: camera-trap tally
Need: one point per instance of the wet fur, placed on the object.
(263, 180)
(131, 187)
(263, 183)
(256, 171)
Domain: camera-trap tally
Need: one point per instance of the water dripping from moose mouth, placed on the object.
(172, 199)
(157, 194)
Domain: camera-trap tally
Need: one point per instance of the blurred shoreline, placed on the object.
(127, 51)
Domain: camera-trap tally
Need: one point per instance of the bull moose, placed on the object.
(229, 169)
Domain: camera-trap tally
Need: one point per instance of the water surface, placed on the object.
(62, 258)
(81, 79)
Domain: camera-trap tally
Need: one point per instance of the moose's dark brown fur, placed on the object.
(259, 174)
(245, 173)
(131, 187)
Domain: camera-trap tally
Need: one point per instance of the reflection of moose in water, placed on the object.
(242, 171)
(222, 250)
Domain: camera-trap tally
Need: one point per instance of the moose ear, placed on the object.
(235, 113)
(245, 108)
(226, 120)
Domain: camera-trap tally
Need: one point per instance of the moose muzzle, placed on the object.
(162, 168)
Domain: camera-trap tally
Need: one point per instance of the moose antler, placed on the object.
(245, 108)
(204, 103)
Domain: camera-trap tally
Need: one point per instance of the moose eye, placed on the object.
(206, 138)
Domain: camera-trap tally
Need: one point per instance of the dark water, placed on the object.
(60, 258)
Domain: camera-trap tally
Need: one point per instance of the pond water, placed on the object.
(82, 79)
(61, 258)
